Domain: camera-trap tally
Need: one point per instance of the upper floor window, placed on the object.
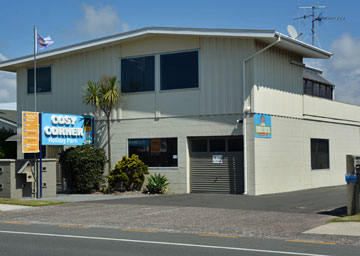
(138, 74)
(179, 70)
(43, 80)
(318, 89)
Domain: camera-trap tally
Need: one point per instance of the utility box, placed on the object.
(352, 179)
(17, 178)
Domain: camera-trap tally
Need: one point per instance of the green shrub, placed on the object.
(83, 168)
(7, 148)
(157, 184)
(129, 174)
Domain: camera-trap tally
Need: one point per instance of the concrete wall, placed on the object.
(283, 162)
(315, 108)
(180, 128)
(15, 185)
(6, 177)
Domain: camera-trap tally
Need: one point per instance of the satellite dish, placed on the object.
(292, 31)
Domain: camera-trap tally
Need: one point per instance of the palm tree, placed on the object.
(104, 96)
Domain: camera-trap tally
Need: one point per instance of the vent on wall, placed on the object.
(1, 170)
(1, 186)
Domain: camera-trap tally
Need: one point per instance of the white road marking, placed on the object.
(160, 243)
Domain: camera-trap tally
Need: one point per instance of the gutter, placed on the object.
(247, 109)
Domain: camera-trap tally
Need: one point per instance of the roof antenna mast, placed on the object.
(315, 18)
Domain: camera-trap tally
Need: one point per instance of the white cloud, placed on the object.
(7, 85)
(100, 21)
(343, 69)
(2, 58)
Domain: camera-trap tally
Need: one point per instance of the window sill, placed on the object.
(180, 89)
(164, 168)
(135, 93)
(325, 169)
(31, 93)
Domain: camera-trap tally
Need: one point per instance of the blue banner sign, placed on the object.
(262, 125)
(63, 129)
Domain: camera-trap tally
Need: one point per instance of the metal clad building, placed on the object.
(192, 131)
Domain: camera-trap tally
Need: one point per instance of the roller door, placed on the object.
(217, 165)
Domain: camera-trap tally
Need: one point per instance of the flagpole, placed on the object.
(35, 162)
(35, 51)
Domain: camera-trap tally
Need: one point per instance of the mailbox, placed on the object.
(352, 177)
(27, 169)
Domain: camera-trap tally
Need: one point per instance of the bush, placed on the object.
(7, 148)
(129, 174)
(83, 168)
(157, 184)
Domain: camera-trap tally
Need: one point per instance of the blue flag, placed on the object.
(43, 43)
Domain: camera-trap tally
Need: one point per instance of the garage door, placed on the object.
(217, 165)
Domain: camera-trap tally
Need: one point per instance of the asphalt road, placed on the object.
(283, 216)
(30, 240)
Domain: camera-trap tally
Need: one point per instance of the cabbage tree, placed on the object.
(103, 96)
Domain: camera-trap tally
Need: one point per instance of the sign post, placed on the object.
(31, 137)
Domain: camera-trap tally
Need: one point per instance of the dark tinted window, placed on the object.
(320, 154)
(217, 145)
(179, 70)
(322, 90)
(137, 74)
(328, 93)
(157, 152)
(308, 87)
(235, 145)
(199, 145)
(43, 80)
(316, 89)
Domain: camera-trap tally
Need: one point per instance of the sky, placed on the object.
(73, 21)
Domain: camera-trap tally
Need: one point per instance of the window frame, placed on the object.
(176, 52)
(51, 80)
(149, 138)
(328, 154)
(208, 138)
(134, 57)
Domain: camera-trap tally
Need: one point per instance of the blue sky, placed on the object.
(72, 21)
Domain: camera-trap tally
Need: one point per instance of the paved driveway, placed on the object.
(330, 201)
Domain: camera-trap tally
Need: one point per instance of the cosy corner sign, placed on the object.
(61, 129)
(53, 129)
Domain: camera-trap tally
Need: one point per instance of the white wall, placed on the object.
(283, 162)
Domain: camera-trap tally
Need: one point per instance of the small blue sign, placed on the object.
(262, 124)
(63, 129)
(351, 178)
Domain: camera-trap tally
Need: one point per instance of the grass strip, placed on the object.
(33, 203)
(353, 218)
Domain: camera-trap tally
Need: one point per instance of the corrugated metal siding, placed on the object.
(207, 177)
(221, 74)
(278, 84)
(220, 89)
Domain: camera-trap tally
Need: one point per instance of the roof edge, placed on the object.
(6, 65)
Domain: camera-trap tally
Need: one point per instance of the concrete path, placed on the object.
(92, 197)
(9, 207)
(338, 228)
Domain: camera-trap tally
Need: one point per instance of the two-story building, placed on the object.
(215, 110)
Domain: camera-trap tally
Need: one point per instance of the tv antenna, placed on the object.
(315, 18)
